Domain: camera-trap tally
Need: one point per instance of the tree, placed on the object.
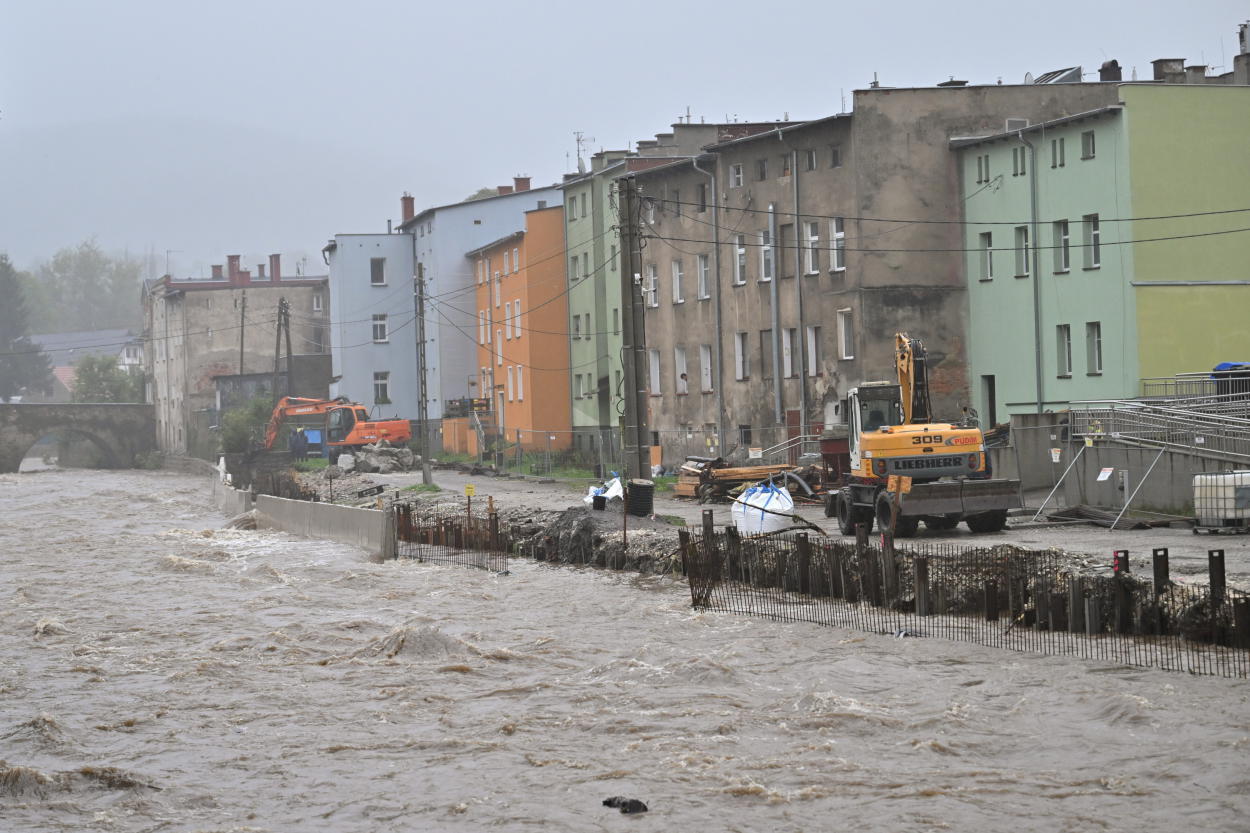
(99, 379)
(82, 288)
(243, 427)
(23, 366)
(481, 194)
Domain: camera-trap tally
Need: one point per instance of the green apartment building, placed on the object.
(1096, 251)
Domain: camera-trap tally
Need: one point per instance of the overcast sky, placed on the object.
(192, 130)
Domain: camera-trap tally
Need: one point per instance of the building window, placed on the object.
(675, 201)
(579, 390)
(813, 351)
(785, 164)
(735, 175)
(811, 159)
(835, 157)
(1022, 251)
(648, 211)
(585, 264)
(652, 286)
(382, 387)
(520, 383)
(766, 255)
(1063, 337)
(742, 359)
(983, 168)
(516, 318)
(481, 327)
(1056, 153)
(1087, 144)
(377, 271)
(837, 255)
(679, 371)
(678, 273)
(701, 198)
(1017, 162)
(507, 320)
(653, 371)
(499, 341)
(846, 334)
(572, 207)
(612, 259)
(516, 259)
(1093, 348)
(705, 368)
(509, 383)
(379, 328)
(767, 354)
(507, 261)
(740, 259)
(574, 269)
(577, 326)
(789, 352)
(813, 249)
(616, 321)
(1093, 241)
(498, 289)
(987, 255)
(585, 203)
(761, 170)
(1062, 251)
(316, 302)
(704, 277)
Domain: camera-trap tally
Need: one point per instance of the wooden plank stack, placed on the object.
(713, 480)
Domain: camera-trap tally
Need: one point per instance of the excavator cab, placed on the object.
(340, 424)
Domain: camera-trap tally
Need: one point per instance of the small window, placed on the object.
(516, 259)
(586, 264)
(1087, 144)
(761, 170)
(675, 201)
(742, 358)
(572, 207)
(1022, 251)
(812, 266)
(813, 351)
(767, 354)
(585, 203)
(705, 368)
(1061, 246)
(987, 255)
(766, 255)
(1018, 162)
(516, 318)
(577, 326)
(678, 273)
(382, 387)
(380, 333)
(507, 261)
(652, 287)
(837, 227)
(509, 383)
(482, 329)
(520, 383)
(681, 380)
(377, 271)
(740, 259)
(785, 165)
(846, 334)
(653, 372)
(612, 259)
(575, 265)
(507, 320)
(1093, 241)
(616, 321)
(704, 278)
(498, 289)
(789, 352)
(701, 198)
(835, 157)
(1093, 348)
(810, 155)
(735, 175)
(1063, 338)
(1056, 153)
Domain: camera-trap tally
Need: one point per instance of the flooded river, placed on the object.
(158, 673)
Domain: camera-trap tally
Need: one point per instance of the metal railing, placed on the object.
(793, 448)
(462, 538)
(1214, 435)
(1003, 597)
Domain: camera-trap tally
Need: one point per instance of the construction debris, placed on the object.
(1107, 518)
(711, 479)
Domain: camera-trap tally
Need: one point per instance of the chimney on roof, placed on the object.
(1110, 71)
(1196, 74)
(407, 207)
(275, 268)
(1167, 66)
(245, 276)
(260, 271)
(217, 276)
(505, 189)
(521, 183)
(232, 268)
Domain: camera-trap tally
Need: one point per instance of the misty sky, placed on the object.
(255, 127)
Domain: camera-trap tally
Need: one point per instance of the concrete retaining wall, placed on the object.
(364, 528)
(1169, 488)
(1032, 438)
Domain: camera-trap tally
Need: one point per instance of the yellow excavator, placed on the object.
(940, 467)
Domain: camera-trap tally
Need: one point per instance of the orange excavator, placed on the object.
(347, 425)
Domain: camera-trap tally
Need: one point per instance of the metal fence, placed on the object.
(1024, 600)
(461, 538)
(1207, 434)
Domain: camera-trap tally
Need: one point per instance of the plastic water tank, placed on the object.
(1222, 498)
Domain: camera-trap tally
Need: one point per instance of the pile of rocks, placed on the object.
(382, 458)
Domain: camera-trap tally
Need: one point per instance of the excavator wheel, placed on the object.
(992, 521)
(941, 523)
(845, 512)
(904, 527)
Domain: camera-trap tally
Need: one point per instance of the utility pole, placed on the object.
(242, 330)
(634, 437)
(423, 402)
(284, 323)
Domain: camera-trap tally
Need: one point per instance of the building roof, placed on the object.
(66, 375)
(968, 141)
(516, 235)
(66, 348)
(423, 212)
(781, 127)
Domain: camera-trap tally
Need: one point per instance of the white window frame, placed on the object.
(813, 351)
(381, 272)
(577, 326)
(572, 207)
(498, 289)
(507, 261)
(516, 259)
(1063, 353)
(705, 368)
(740, 259)
(1063, 246)
(653, 371)
(317, 302)
(1088, 148)
(985, 245)
(766, 256)
(481, 326)
(837, 244)
(381, 385)
(381, 329)
(789, 367)
(1022, 251)
(516, 318)
(680, 369)
(1093, 241)
(735, 175)
(1093, 348)
(678, 274)
(846, 333)
(509, 383)
(507, 320)
(520, 384)
(742, 357)
(703, 264)
(652, 286)
(499, 351)
(812, 267)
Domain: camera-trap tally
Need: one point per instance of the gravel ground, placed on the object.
(1187, 552)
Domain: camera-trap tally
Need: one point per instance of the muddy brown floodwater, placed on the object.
(158, 673)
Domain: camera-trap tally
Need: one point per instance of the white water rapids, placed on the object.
(160, 674)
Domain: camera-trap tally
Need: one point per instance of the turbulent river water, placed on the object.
(160, 673)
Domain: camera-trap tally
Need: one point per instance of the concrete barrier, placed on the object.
(368, 529)
(229, 500)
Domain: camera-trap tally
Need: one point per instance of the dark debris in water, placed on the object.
(625, 805)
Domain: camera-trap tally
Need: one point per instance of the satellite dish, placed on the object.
(1028, 78)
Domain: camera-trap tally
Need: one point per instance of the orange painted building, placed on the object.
(522, 334)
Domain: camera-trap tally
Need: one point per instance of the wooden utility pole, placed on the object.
(284, 324)
(242, 328)
(423, 401)
(635, 435)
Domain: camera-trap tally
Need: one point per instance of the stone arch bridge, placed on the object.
(119, 432)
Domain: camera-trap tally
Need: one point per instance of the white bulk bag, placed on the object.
(747, 512)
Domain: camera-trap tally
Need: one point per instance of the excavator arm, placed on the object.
(294, 405)
(911, 362)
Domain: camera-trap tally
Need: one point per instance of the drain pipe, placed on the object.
(721, 428)
(774, 301)
(1037, 273)
(799, 361)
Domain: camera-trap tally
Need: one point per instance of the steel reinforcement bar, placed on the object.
(462, 538)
